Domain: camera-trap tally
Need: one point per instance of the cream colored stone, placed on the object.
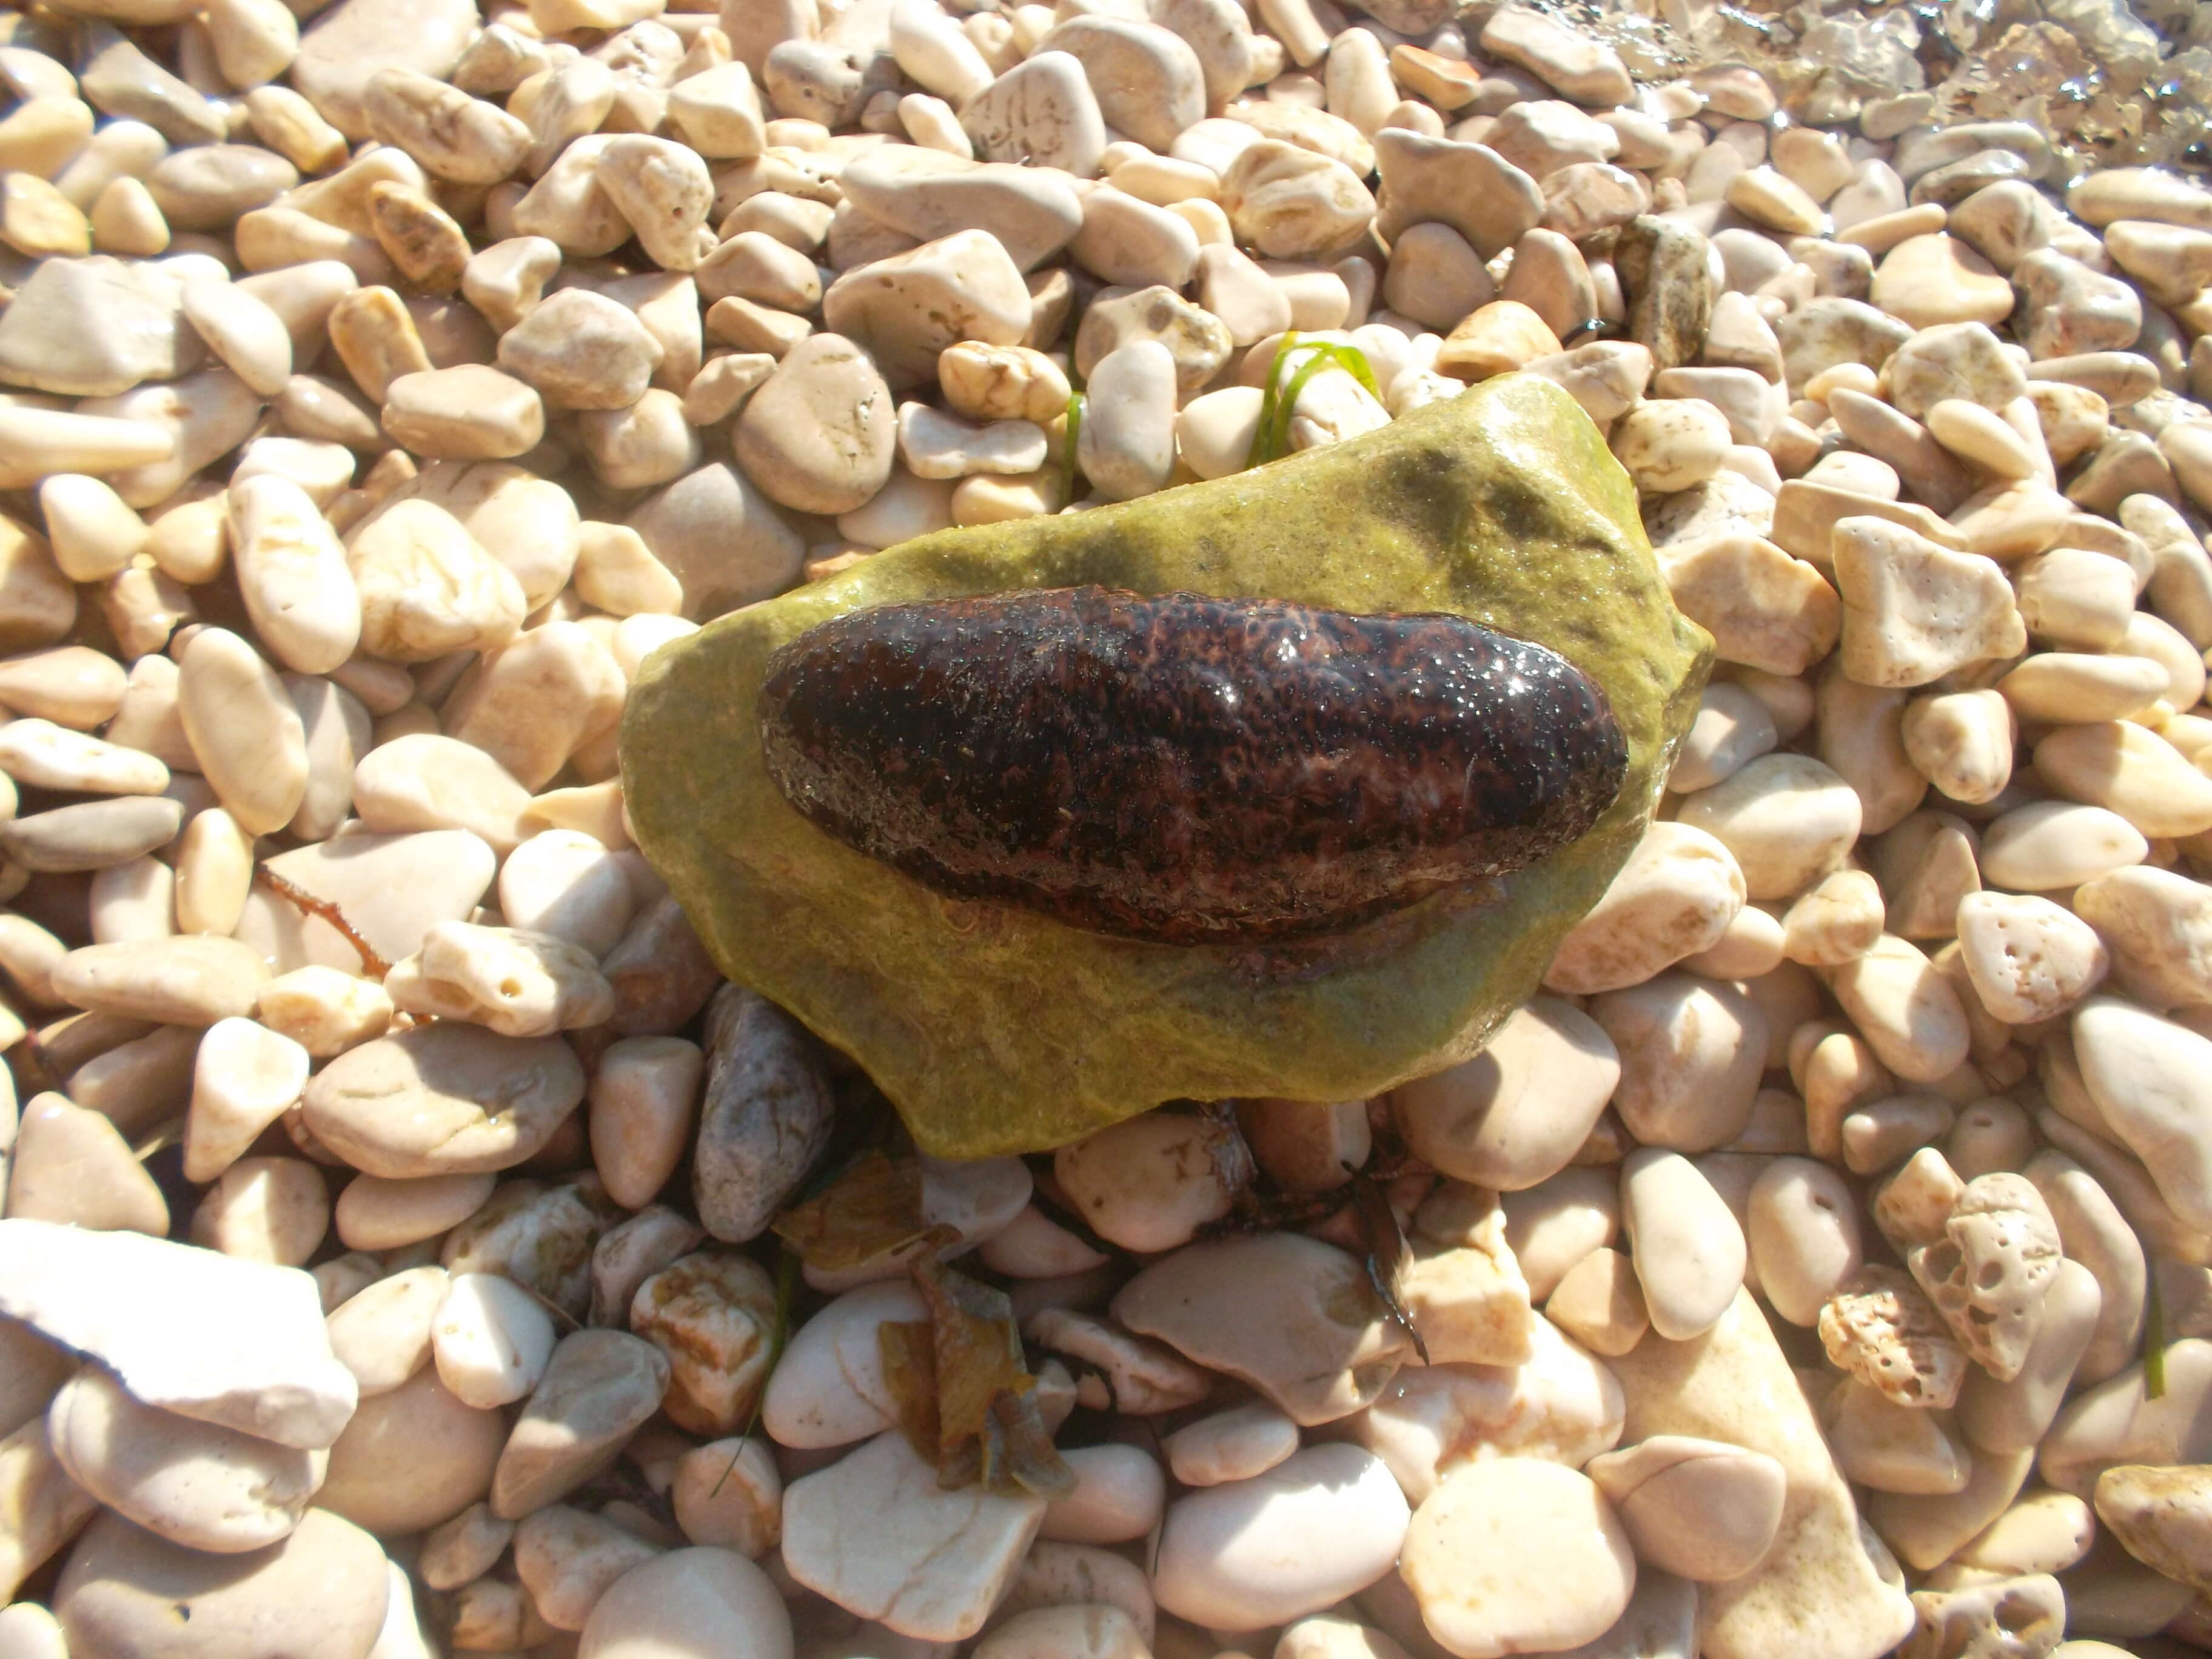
(265, 1209)
(1517, 1113)
(197, 1484)
(2046, 845)
(1913, 611)
(1881, 1329)
(534, 701)
(1905, 1010)
(243, 729)
(475, 1102)
(1284, 1312)
(1787, 818)
(662, 187)
(244, 1078)
(1688, 1248)
(2028, 958)
(1525, 1520)
(875, 1532)
(1763, 607)
(518, 983)
(184, 979)
(324, 1011)
(2129, 770)
(72, 1166)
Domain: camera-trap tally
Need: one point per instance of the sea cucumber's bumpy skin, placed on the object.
(1186, 769)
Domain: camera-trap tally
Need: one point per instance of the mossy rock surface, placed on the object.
(997, 1030)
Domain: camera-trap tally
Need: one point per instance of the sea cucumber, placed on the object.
(1185, 769)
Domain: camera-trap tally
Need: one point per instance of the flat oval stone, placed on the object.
(443, 1099)
(1292, 1316)
(712, 1603)
(1322, 1524)
(1516, 1555)
(323, 1590)
(412, 1457)
(196, 1484)
(1180, 769)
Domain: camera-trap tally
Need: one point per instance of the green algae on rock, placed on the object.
(996, 1029)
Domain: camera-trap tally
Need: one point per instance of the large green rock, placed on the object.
(996, 1031)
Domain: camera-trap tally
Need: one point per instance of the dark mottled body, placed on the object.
(1186, 769)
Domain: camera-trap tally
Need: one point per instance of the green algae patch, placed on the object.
(994, 1030)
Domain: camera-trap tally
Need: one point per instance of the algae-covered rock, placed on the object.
(997, 1030)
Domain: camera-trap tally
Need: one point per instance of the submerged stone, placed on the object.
(996, 1027)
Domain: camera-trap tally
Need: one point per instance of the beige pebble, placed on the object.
(1883, 1331)
(469, 412)
(1127, 446)
(1262, 1309)
(412, 1457)
(1893, 1448)
(689, 1600)
(70, 1165)
(382, 1333)
(1836, 921)
(92, 532)
(1763, 607)
(1150, 1183)
(40, 754)
(599, 1387)
(490, 1339)
(2028, 958)
(643, 1098)
(243, 729)
(1599, 1303)
(265, 1209)
(376, 1214)
(662, 187)
(1688, 1248)
(581, 350)
(1787, 818)
(1533, 1523)
(2143, 1074)
(427, 587)
(326, 1585)
(92, 835)
(1690, 1053)
(987, 382)
(465, 1113)
(70, 685)
(534, 701)
(428, 782)
(292, 574)
(1675, 895)
(132, 902)
(184, 979)
(1517, 1113)
(1905, 1010)
(324, 1011)
(245, 1077)
(727, 1494)
(1961, 742)
(1732, 727)
(1702, 1509)
(519, 984)
(1913, 611)
(2118, 765)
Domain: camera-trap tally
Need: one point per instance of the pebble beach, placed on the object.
(413, 1246)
